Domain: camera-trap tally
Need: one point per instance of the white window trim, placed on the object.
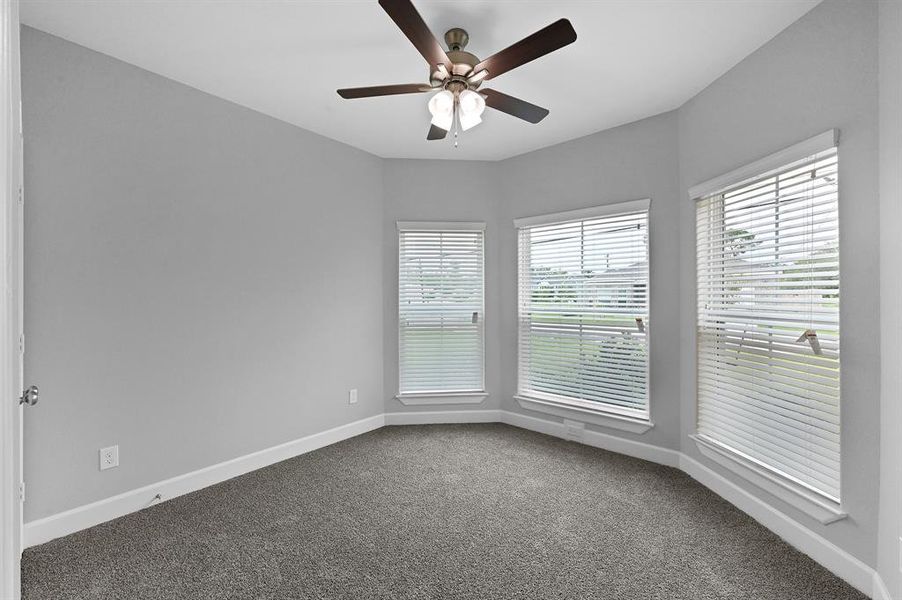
(440, 226)
(440, 397)
(430, 399)
(811, 503)
(821, 508)
(605, 416)
(570, 410)
(584, 213)
(819, 143)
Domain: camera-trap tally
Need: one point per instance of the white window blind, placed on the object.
(440, 308)
(768, 321)
(583, 309)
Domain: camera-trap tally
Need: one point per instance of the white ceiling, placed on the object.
(632, 59)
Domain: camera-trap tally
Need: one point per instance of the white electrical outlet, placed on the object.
(109, 457)
(352, 396)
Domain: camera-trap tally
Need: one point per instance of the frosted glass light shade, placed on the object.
(442, 108)
(471, 103)
(443, 121)
(469, 120)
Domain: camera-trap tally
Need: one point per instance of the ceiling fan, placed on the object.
(457, 74)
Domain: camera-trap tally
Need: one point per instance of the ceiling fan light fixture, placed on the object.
(442, 103)
(471, 103)
(459, 72)
(468, 121)
(443, 121)
(470, 107)
(442, 108)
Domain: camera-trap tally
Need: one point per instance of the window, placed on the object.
(583, 309)
(440, 308)
(768, 319)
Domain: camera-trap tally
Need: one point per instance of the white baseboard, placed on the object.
(442, 416)
(614, 443)
(830, 556)
(880, 590)
(82, 517)
(833, 558)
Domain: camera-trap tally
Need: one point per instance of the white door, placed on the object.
(11, 340)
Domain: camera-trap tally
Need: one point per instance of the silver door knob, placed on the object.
(30, 396)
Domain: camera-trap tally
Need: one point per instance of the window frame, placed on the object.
(767, 477)
(439, 397)
(606, 415)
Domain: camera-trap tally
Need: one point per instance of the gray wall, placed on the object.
(818, 74)
(890, 294)
(631, 162)
(200, 278)
(418, 190)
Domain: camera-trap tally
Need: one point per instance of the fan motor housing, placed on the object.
(462, 62)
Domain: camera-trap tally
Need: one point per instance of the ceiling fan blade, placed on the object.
(514, 106)
(406, 17)
(436, 133)
(555, 36)
(384, 90)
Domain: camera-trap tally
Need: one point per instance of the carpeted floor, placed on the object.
(443, 512)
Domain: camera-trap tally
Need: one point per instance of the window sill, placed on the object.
(810, 503)
(438, 398)
(585, 415)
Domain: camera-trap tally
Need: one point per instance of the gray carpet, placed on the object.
(445, 511)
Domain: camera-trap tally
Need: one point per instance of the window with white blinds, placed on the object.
(440, 308)
(583, 308)
(768, 321)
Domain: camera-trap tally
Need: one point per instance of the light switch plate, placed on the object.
(109, 457)
(352, 396)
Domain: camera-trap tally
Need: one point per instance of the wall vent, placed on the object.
(574, 430)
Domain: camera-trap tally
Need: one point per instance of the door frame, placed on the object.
(11, 284)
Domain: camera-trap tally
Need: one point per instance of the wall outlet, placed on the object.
(352, 396)
(109, 457)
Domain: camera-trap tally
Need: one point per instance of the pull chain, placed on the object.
(456, 121)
